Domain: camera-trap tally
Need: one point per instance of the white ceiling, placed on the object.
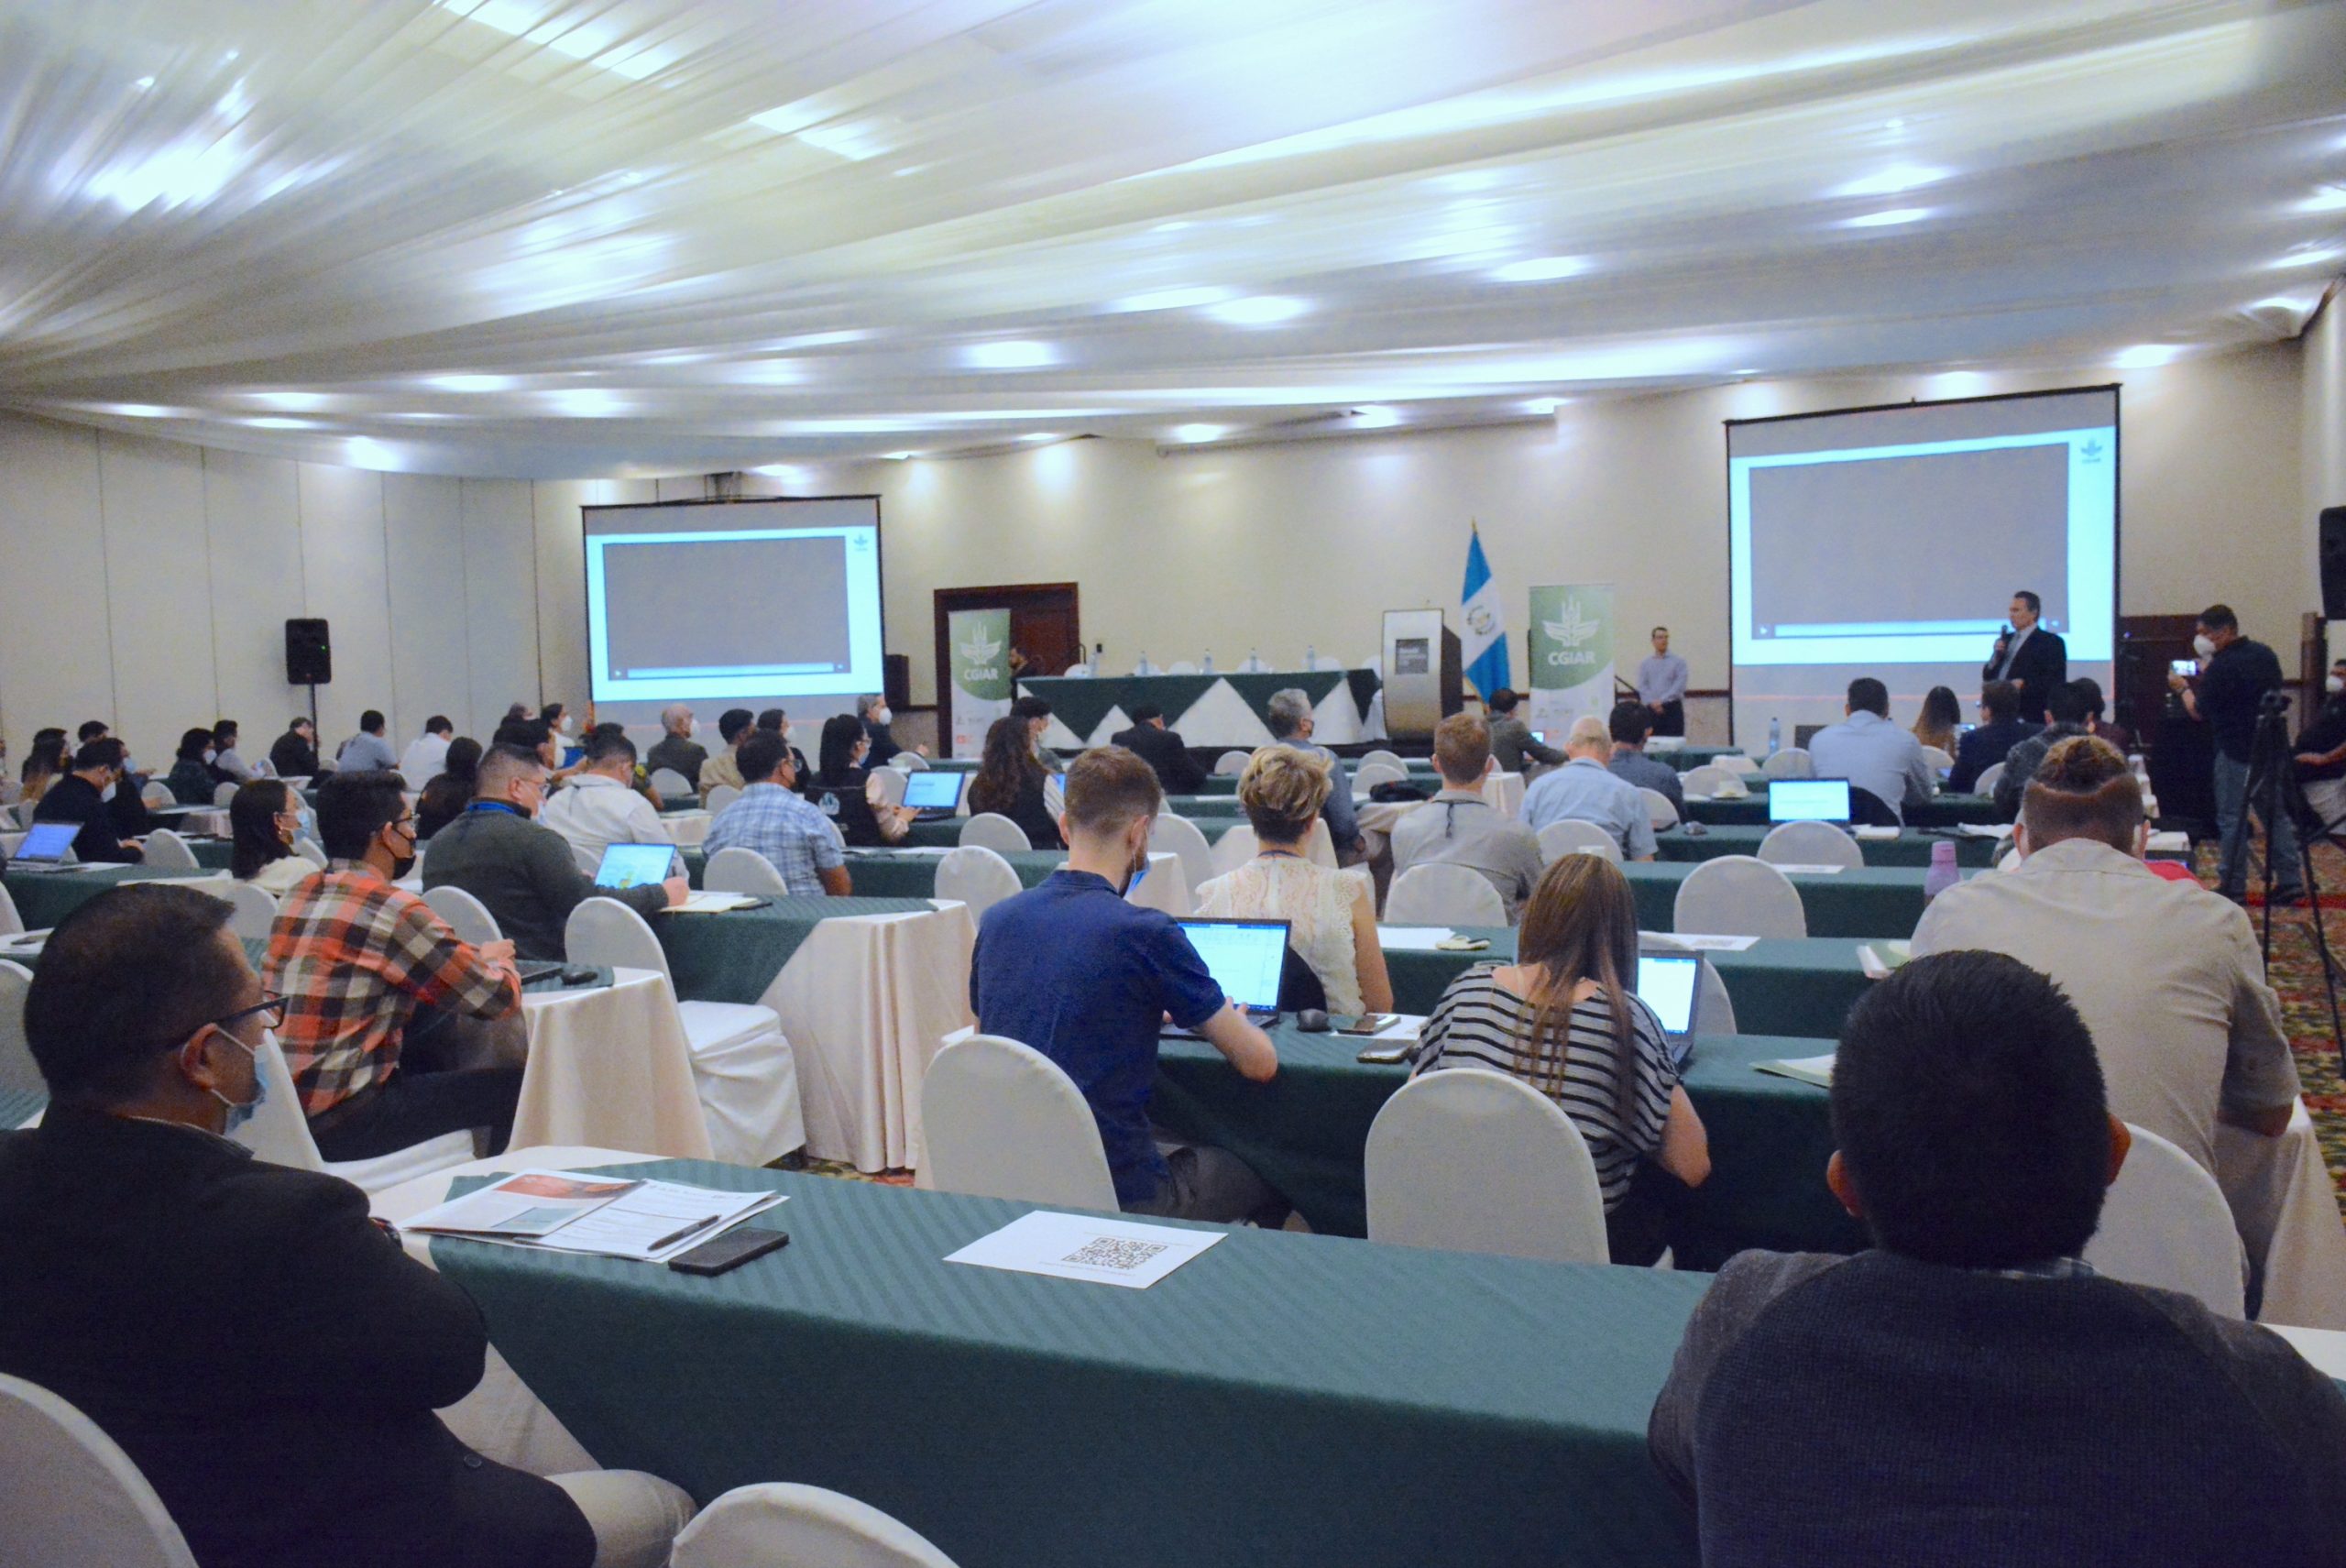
(535, 238)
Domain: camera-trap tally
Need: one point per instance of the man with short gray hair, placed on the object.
(675, 748)
(1584, 790)
(1291, 720)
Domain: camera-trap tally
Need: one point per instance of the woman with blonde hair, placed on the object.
(1331, 915)
(1941, 714)
(1564, 1019)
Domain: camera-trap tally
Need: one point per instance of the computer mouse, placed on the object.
(1311, 1021)
(1695, 829)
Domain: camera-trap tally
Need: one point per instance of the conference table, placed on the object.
(1221, 710)
(1940, 811)
(44, 898)
(1281, 1398)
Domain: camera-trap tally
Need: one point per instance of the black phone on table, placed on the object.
(730, 1251)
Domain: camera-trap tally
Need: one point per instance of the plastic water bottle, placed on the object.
(1208, 665)
(1944, 873)
(1311, 657)
(1776, 741)
(1144, 668)
(1254, 659)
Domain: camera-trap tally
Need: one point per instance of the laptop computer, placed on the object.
(46, 848)
(634, 865)
(1671, 985)
(1809, 800)
(1245, 958)
(932, 792)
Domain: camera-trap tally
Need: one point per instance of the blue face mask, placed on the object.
(240, 1114)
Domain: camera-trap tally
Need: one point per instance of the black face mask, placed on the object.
(402, 864)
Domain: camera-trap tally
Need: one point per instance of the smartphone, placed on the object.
(729, 1251)
(1363, 1024)
(2184, 666)
(1389, 1053)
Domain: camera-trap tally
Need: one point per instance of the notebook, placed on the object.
(1808, 800)
(1246, 958)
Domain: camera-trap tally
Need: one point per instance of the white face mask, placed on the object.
(691, 731)
(2203, 647)
(2336, 683)
(565, 727)
(882, 718)
(106, 794)
(208, 755)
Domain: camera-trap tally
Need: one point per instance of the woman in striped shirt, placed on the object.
(1562, 1019)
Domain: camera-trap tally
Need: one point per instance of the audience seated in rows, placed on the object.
(264, 819)
(1010, 781)
(2166, 974)
(1968, 1390)
(844, 790)
(775, 721)
(1291, 722)
(1564, 1018)
(773, 820)
(267, 1357)
(723, 767)
(1511, 740)
(428, 752)
(295, 755)
(444, 799)
(1630, 724)
(2118, 735)
(86, 795)
(1035, 714)
(1460, 828)
(1934, 728)
(1331, 914)
(1585, 790)
(44, 764)
(2000, 729)
(676, 750)
(1161, 749)
(523, 871)
(190, 780)
(368, 751)
(872, 709)
(598, 807)
(1872, 754)
(228, 765)
(1078, 973)
(2065, 710)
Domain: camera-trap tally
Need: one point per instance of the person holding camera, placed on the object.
(2236, 675)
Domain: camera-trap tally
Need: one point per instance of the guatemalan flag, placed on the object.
(1484, 644)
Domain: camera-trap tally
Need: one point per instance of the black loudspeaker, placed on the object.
(2333, 562)
(308, 657)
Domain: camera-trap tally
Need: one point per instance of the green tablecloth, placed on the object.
(1911, 847)
(880, 874)
(1864, 901)
(18, 1106)
(43, 898)
(1779, 986)
(1945, 811)
(1283, 1400)
(733, 956)
(1083, 703)
(1305, 1131)
(212, 854)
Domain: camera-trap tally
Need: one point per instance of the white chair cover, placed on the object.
(1324, 661)
(1740, 895)
(738, 870)
(1383, 757)
(911, 762)
(11, 923)
(2164, 1223)
(1003, 1121)
(466, 915)
(722, 796)
(1659, 811)
(1989, 780)
(668, 782)
(222, 794)
(992, 830)
(1715, 1009)
(279, 1133)
(1182, 667)
(889, 785)
(1235, 848)
(1230, 764)
(1792, 762)
(1810, 844)
(1181, 836)
(25, 810)
(1370, 775)
(978, 877)
(1939, 758)
(1705, 780)
(1560, 838)
(73, 1496)
(255, 911)
(18, 1073)
(781, 1524)
(588, 860)
(167, 851)
(309, 850)
(158, 793)
(1445, 896)
(1076, 673)
(1471, 1160)
(742, 1066)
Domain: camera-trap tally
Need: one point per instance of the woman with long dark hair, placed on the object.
(1564, 1019)
(1009, 782)
(841, 788)
(44, 764)
(1941, 714)
(264, 819)
(444, 798)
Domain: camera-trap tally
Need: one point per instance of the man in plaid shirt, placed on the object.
(378, 987)
(771, 820)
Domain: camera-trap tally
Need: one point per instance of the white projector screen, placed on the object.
(1888, 542)
(733, 600)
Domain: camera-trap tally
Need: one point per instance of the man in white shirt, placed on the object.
(368, 751)
(1584, 790)
(600, 807)
(1661, 685)
(1872, 754)
(427, 754)
(2166, 973)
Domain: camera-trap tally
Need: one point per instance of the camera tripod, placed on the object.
(2274, 789)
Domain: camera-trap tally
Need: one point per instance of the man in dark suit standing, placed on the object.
(2033, 659)
(1162, 749)
(267, 1357)
(2001, 729)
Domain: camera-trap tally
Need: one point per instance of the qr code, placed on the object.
(1114, 1252)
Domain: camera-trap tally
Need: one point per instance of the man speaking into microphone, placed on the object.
(2033, 659)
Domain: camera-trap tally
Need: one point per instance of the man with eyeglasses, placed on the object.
(381, 1029)
(269, 1357)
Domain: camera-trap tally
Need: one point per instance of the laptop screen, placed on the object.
(1808, 800)
(1244, 956)
(1667, 984)
(931, 790)
(48, 840)
(634, 865)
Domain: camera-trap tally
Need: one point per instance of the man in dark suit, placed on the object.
(87, 796)
(1162, 749)
(1992, 741)
(267, 1357)
(2033, 659)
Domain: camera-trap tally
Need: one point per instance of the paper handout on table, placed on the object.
(1697, 942)
(713, 904)
(1817, 1070)
(609, 1216)
(1076, 1246)
(1984, 830)
(1412, 938)
(1873, 832)
(1879, 959)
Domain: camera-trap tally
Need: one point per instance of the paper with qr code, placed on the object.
(1079, 1246)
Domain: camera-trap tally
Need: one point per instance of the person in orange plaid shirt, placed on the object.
(379, 990)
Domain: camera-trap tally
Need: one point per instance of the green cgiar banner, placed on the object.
(979, 641)
(1571, 655)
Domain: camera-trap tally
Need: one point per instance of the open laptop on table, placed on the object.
(1245, 958)
(48, 847)
(1809, 800)
(634, 865)
(1671, 985)
(933, 793)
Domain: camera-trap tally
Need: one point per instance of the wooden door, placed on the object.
(1046, 625)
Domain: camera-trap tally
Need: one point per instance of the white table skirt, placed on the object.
(610, 1067)
(2285, 1206)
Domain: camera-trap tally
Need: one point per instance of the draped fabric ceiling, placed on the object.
(540, 238)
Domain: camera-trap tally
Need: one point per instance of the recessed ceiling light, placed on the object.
(1037, 438)
(1009, 354)
(470, 383)
(1891, 180)
(1374, 416)
(899, 457)
(2329, 199)
(1887, 219)
(1542, 268)
(1183, 299)
(1258, 310)
(136, 411)
(1190, 435)
(278, 422)
(1543, 406)
(292, 402)
(144, 83)
(362, 451)
(2145, 356)
(586, 402)
(2312, 255)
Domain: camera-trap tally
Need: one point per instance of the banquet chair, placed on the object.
(11, 923)
(781, 1524)
(1810, 844)
(992, 830)
(278, 1132)
(1369, 775)
(1938, 757)
(466, 915)
(1004, 1121)
(737, 869)
(588, 860)
(222, 794)
(158, 794)
(2164, 1224)
(1792, 762)
(309, 850)
(253, 911)
(167, 851)
(667, 782)
(911, 762)
(978, 877)
(1467, 1159)
(1659, 812)
(25, 810)
(1739, 896)
(73, 1495)
(1715, 1007)
(891, 782)
(1230, 764)
(743, 1064)
(1706, 779)
(1182, 836)
(1560, 838)
(19, 1073)
(1235, 848)
(1383, 757)
(722, 796)
(1445, 896)
(1076, 673)
(1987, 782)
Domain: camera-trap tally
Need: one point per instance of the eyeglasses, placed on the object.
(271, 1010)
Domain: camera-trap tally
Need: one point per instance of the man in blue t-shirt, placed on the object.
(1072, 970)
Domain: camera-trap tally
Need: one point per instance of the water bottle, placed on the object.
(1098, 658)
(1776, 739)
(1208, 665)
(1144, 668)
(1254, 659)
(1944, 873)
(1311, 657)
